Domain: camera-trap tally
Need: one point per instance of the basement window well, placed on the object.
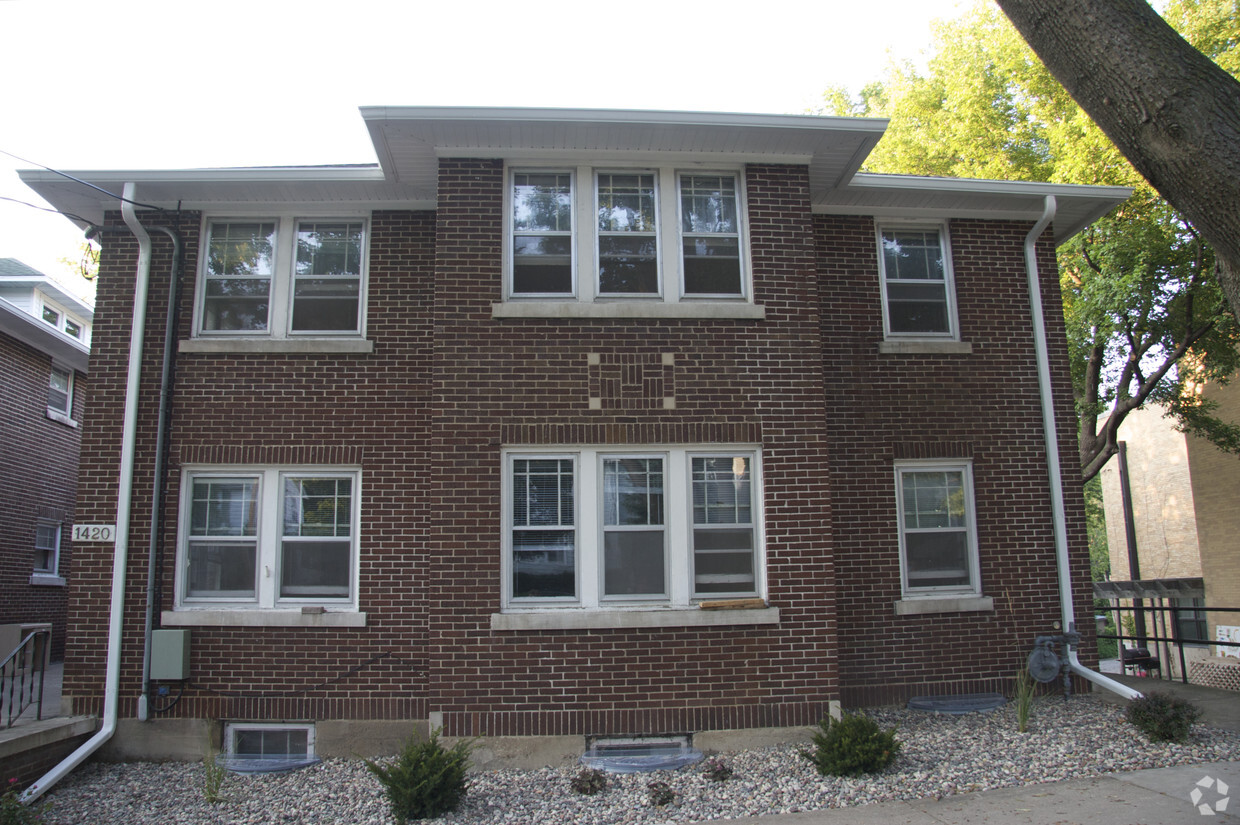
(266, 747)
(638, 754)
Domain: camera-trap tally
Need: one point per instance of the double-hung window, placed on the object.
(938, 539)
(60, 393)
(283, 277)
(269, 537)
(47, 547)
(652, 235)
(916, 274)
(601, 528)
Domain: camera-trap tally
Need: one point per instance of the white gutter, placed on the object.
(1058, 517)
(123, 502)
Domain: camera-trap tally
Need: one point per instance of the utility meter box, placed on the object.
(169, 655)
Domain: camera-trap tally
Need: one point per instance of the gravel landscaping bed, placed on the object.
(941, 755)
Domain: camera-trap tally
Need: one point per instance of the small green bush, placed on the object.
(1163, 717)
(13, 812)
(660, 793)
(716, 770)
(852, 746)
(589, 781)
(426, 779)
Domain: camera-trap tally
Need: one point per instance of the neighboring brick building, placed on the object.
(560, 423)
(44, 347)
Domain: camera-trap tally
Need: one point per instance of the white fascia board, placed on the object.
(244, 174)
(872, 180)
(34, 332)
(646, 116)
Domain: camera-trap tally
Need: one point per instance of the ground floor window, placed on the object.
(600, 526)
(268, 537)
(938, 541)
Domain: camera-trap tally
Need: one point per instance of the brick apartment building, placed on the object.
(44, 346)
(569, 423)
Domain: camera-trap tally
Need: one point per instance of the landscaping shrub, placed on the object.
(852, 746)
(716, 770)
(13, 812)
(589, 781)
(1163, 717)
(426, 779)
(660, 793)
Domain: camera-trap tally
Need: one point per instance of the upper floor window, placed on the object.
(61, 320)
(645, 234)
(598, 528)
(938, 538)
(283, 277)
(918, 293)
(268, 537)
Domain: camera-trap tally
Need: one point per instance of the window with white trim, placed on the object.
(609, 527)
(640, 234)
(938, 538)
(60, 393)
(47, 547)
(269, 537)
(915, 268)
(282, 277)
(268, 740)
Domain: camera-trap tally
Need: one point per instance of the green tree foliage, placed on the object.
(1147, 320)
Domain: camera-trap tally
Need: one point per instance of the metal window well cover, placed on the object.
(640, 758)
(958, 705)
(268, 764)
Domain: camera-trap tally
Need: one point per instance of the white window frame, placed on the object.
(952, 333)
(53, 552)
(283, 275)
(588, 510)
(965, 467)
(669, 237)
(268, 538)
(65, 415)
(231, 729)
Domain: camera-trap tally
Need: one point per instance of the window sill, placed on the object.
(260, 618)
(708, 310)
(225, 346)
(570, 619)
(61, 418)
(46, 580)
(925, 348)
(944, 604)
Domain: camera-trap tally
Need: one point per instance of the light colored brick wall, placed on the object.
(1162, 500)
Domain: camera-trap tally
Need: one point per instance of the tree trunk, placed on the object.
(1173, 113)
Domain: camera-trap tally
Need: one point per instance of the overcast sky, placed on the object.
(174, 84)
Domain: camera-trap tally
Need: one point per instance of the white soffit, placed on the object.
(911, 196)
(409, 140)
(335, 187)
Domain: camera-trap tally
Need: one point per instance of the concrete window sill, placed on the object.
(260, 618)
(716, 310)
(925, 348)
(945, 604)
(293, 346)
(568, 619)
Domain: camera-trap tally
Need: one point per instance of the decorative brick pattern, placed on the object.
(627, 381)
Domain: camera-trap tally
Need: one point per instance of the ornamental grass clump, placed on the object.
(426, 780)
(1026, 688)
(1163, 717)
(852, 746)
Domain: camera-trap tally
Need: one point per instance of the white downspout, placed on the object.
(1058, 517)
(123, 502)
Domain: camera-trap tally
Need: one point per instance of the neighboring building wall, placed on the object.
(1216, 488)
(1162, 500)
(38, 482)
(982, 406)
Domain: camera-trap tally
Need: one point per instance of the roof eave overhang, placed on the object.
(33, 332)
(912, 196)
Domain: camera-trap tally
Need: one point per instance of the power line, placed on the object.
(69, 215)
(82, 182)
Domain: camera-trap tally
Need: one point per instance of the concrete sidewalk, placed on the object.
(1161, 796)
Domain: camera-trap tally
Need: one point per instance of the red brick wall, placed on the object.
(983, 406)
(427, 414)
(38, 480)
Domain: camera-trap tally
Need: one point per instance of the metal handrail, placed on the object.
(22, 676)
(1176, 640)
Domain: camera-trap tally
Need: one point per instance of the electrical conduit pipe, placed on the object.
(1058, 516)
(123, 504)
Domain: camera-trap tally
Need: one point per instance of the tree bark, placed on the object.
(1170, 109)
